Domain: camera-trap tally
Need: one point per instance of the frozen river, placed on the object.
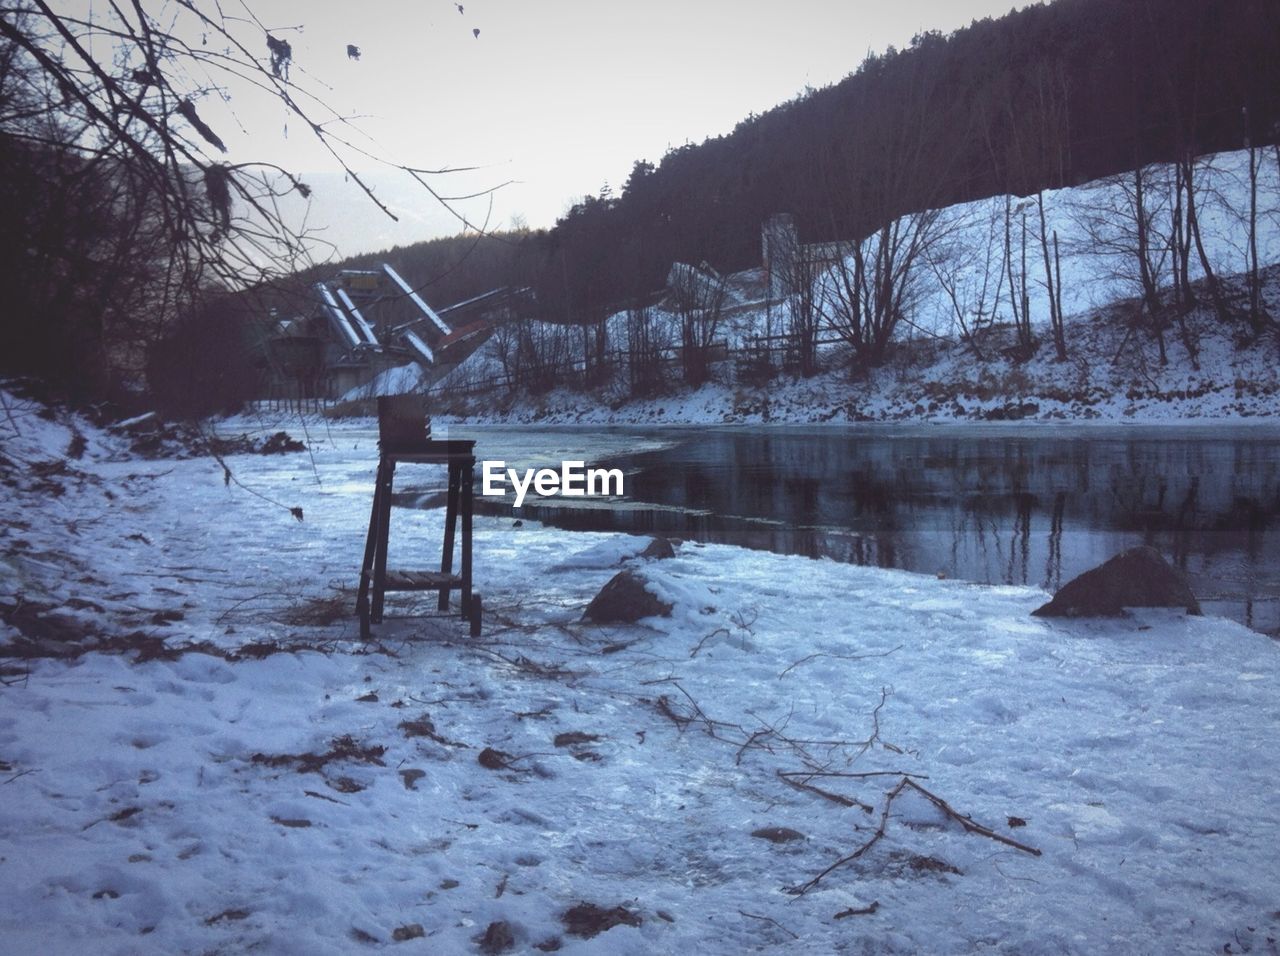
(992, 504)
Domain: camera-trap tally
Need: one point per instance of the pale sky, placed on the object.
(559, 96)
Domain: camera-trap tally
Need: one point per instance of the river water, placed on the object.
(991, 504)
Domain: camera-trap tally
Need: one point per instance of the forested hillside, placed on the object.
(1051, 96)
(1122, 94)
(1054, 95)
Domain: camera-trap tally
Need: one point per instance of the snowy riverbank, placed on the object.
(1117, 367)
(1109, 376)
(330, 797)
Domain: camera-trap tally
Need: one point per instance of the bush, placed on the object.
(204, 366)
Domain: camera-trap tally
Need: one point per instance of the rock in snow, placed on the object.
(659, 549)
(1139, 577)
(625, 600)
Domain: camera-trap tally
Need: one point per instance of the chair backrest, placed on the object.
(403, 424)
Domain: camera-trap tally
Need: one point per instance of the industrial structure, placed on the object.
(365, 322)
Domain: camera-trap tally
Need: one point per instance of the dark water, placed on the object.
(981, 504)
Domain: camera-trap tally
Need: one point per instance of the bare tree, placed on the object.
(792, 272)
(869, 292)
(596, 368)
(804, 311)
(1019, 300)
(545, 355)
(124, 95)
(698, 297)
(646, 341)
(1052, 282)
(1258, 319)
(1119, 219)
(506, 346)
(1047, 148)
(894, 176)
(971, 273)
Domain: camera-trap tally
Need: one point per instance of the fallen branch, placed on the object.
(322, 796)
(825, 794)
(525, 665)
(664, 707)
(239, 604)
(696, 714)
(766, 731)
(903, 784)
(875, 838)
(966, 822)
(228, 478)
(716, 633)
(851, 774)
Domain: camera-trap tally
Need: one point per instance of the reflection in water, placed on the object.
(982, 505)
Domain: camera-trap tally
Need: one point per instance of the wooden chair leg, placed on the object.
(467, 481)
(387, 472)
(450, 527)
(362, 611)
(366, 567)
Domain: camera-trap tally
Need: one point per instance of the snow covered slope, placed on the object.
(933, 375)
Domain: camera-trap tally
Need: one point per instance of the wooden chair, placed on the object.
(404, 436)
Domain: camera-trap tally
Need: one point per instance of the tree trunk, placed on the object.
(1255, 305)
(1150, 293)
(1055, 315)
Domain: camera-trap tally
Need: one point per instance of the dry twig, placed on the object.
(842, 657)
(825, 794)
(768, 919)
(907, 783)
(862, 911)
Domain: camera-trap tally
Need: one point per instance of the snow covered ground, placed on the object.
(280, 788)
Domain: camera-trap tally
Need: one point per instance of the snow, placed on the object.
(134, 818)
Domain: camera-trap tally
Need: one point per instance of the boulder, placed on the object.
(1139, 577)
(659, 549)
(625, 600)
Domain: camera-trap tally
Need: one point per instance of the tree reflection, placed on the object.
(1009, 509)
